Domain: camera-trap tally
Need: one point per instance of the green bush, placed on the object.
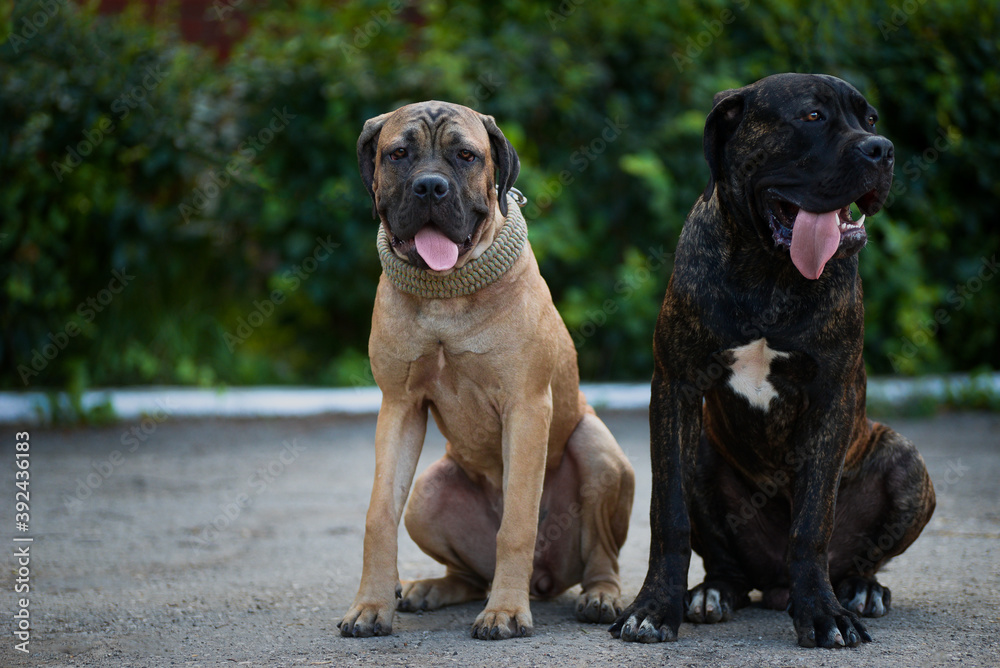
(230, 192)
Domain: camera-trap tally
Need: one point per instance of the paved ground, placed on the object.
(223, 543)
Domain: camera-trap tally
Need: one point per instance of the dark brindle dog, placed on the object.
(763, 458)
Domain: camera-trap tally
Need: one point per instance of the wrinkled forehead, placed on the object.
(789, 92)
(434, 124)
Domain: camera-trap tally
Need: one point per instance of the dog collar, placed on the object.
(473, 276)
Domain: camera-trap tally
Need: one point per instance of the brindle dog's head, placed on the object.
(795, 151)
(436, 165)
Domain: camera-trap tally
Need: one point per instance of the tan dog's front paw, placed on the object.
(367, 619)
(505, 616)
(601, 604)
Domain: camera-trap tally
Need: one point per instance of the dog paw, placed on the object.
(710, 602)
(599, 605)
(864, 596)
(367, 619)
(650, 618)
(827, 624)
(502, 624)
(436, 593)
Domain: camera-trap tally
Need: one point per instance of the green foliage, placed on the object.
(230, 191)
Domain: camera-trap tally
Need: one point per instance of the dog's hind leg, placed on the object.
(885, 499)
(606, 486)
(451, 519)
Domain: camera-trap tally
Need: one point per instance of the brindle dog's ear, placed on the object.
(506, 160)
(367, 145)
(722, 121)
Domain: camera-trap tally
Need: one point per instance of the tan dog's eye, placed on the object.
(398, 154)
(466, 155)
(813, 116)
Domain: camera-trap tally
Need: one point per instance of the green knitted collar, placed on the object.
(469, 278)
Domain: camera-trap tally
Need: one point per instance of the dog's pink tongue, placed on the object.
(815, 238)
(439, 252)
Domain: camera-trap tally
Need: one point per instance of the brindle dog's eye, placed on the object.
(466, 155)
(398, 154)
(813, 116)
(872, 120)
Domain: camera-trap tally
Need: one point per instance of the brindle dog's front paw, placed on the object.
(599, 605)
(650, 618)
(865, 596)
(712, 602)
(367, 619)
(505, 616)
(825, 623)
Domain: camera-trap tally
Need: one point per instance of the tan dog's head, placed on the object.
(433, 170)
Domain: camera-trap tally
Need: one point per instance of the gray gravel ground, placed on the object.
(222, 543)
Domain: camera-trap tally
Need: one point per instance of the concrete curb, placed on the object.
(261, 402)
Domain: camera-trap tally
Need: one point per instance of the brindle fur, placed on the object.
(789, 500)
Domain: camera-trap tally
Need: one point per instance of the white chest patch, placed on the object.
(751, 367)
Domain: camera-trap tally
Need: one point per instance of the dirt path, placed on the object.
(223, 543)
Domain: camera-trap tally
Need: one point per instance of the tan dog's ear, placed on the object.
(505, 158)
(722, 121)
(367, 145)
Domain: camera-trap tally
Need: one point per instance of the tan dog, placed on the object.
(534, 493)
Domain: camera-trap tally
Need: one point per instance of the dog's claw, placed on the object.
(647, 620)
(828, 624)
(493, 624)
(598, 607)
(864, 596)
(366, 620)
(711, 602)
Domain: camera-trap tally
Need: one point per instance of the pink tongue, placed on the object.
(439, 252)
(815, 238)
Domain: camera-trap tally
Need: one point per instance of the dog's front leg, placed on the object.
(399, 438)
(675, 427)
(818, 461)
(525, 448)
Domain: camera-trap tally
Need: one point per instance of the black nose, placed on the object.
(876, 149)
(433, 184)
